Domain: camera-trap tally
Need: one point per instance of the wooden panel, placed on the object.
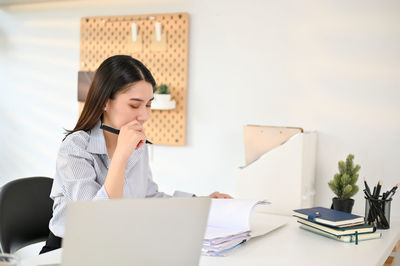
(102, 37)
(261, 139)
(389, 261)
(396, 247)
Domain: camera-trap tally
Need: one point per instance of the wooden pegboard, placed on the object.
(102, 37)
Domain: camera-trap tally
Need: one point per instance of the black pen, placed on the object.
(378, 189)
(389, 192)
(394, 188)
(373, 193)
(116, 131)
(392, 191)
(384, 195)
(366, 186)
(368, 194)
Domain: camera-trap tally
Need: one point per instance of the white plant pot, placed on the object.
(163, 102)
(162, 98)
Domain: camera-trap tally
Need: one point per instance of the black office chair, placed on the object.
(25, 212)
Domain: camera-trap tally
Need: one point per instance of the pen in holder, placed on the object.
(377, 212)
(8, 260)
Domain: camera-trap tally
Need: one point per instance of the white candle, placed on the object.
(134, 27)
(158, 31)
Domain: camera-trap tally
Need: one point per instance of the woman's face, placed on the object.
(132, 103)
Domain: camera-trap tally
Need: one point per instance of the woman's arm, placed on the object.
(130, 138)
(114, 183)
(75, 171)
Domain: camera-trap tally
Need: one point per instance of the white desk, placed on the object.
(291, 245)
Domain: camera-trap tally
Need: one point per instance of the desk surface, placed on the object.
(290, 245)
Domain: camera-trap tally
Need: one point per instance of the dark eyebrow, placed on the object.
(140, 100)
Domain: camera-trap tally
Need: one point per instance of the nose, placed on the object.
(143, 114)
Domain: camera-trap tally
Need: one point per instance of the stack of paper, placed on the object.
(228, 225)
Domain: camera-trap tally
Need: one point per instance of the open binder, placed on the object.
(280, 166)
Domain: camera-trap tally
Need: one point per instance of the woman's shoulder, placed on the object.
(76, 141)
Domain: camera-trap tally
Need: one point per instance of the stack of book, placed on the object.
(334, 224)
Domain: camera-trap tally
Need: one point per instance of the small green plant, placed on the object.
(343, 183)
(161, 89)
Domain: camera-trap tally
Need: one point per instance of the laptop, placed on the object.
(167, 231)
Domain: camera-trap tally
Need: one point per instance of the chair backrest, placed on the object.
(25, 212)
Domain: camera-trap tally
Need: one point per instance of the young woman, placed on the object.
(93, 164)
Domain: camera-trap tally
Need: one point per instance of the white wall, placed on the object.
(332, 66)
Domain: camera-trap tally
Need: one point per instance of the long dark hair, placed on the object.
(111, 77)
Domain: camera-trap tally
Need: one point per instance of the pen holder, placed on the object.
(377, 212)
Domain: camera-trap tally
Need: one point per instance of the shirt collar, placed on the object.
(97, 143)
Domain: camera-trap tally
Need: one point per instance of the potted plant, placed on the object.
(161, 89)
(344, 185)
(162, 98)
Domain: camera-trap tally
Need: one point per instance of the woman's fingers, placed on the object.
(224, 196)
(217, 195)
(140, 144)
(130, 138)
(133, 122)
(135, 125)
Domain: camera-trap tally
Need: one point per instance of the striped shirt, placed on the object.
(81, 169)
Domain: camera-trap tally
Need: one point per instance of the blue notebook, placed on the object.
(347, 238)
(337, 231)
(329, 217)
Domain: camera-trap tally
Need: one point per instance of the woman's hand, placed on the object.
(131, 136)
(217, 195)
